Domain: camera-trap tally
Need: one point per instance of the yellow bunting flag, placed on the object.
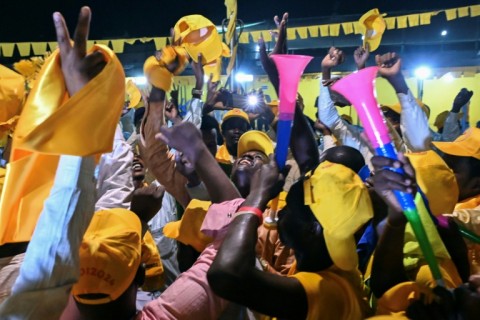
(413, 20)
(463, 12)
(7, 49)
(425, 18)
(53, 45)
(357, 27)
(475, 11)
(324, 30)
(451, 14)
(347, 27)
(118, 46)
(90, 44)
(390, 23)
(255, 35)
(401, 22)
(52, 124)
(267, 36)
(291, 34)
(160, 42)
(24, 48)
(335, 29)
(313, 31)
(302, 32)
(39, 48)
(244, 38)
(103, 42)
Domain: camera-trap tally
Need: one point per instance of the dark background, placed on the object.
(31, 21)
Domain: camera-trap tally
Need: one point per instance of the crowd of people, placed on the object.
(131, 208)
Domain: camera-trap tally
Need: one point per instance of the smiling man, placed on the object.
(234, 124)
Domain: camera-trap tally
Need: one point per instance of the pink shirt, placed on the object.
(190, 296)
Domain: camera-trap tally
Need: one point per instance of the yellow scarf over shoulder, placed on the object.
(52, 124)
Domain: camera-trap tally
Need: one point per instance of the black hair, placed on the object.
(345, 155)
(209, 123)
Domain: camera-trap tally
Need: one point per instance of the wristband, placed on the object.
(197, 92)
(255, 211)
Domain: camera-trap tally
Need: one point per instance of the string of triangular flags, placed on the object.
(25, 49)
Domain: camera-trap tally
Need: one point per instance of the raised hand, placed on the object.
(333, 58)
(280, 48)
(185, 138)
(461, 99)
(389, 64)
(186, 169)
(361, 56)
(77, 67)
(147, 201)
(198, 72)
(386, 181)
(268, 180)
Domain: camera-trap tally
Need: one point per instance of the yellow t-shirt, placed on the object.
(333, 294)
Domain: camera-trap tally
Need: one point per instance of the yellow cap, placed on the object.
(340, 201)
(154, 273)
(110, 255)
(12, 90)
(171, 54)
(255, 140)
(187, 229)
(132, 94)
(214, 68)
(373, 27)
(235, 113)
(436, 180)
(467, 145)
(157, 74)
(197, 35)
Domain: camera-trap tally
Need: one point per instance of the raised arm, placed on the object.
(233, 275)
(187, 139)
(413, 121)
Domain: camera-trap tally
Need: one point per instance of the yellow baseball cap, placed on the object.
(132, 94)
(187, 229)
(255, 140)
(436, 180)
(373, 27)
(235, 113)
(214, 68)
(197, 35)
(340, 201)
(170, 54)
(110, 255)
(467, 145)
(12, 91)
(154, 273)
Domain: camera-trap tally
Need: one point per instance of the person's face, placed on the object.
(210, 139)
(138, 169)
(245, 167)
(232, 132)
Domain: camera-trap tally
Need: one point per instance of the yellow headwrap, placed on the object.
(157, 74)
(52, 124)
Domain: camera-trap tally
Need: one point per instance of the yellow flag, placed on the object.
(39, 48)
(413, 20)
(231, 14)
(52, 124)
(401, 22)
(451, 14)
(475, 10)
(244, 38)
(7, 49)
(24, 48)
(302, 32)
(462, 12)
(313, 31)
(335, 29)
(390, 23)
